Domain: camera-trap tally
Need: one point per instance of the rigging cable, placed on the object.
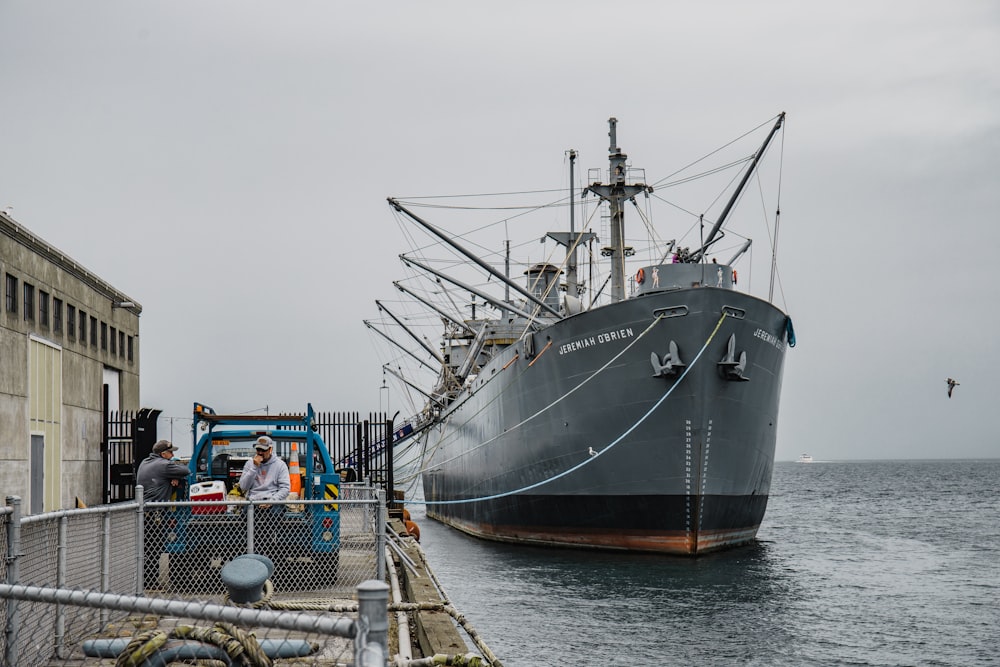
(777, 217)
(705, 157)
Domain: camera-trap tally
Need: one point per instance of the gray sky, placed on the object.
(226, 164)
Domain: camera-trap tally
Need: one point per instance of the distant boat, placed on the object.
(805, 458)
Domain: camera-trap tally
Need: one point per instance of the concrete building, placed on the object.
(67, 340)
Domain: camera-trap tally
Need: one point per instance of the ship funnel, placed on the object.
(543, 283)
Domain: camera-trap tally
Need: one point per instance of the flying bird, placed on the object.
(951, 386)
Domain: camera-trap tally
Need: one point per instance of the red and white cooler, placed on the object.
(208, 491)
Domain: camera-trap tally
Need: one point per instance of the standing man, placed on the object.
(158, 475)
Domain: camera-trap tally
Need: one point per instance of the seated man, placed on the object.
(265, 477)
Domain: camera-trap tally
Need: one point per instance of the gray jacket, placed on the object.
(269, 481)
(155, 473)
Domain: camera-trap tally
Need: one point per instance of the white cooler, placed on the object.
(208, 491)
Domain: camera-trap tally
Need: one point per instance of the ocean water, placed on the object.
(856, 563)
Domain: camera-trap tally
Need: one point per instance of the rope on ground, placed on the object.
(240, 646)
(446, 606)
(264, 600)
(267, 602)
(459, 618)
(467, 660)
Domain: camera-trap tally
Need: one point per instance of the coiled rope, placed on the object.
(267, 601)
(239, 645)
(350, 607)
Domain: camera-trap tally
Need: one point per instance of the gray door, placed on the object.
(37, 474)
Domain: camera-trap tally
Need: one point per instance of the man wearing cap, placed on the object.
(158, 473)
(265, 476)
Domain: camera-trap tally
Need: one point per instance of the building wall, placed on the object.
(51, 381)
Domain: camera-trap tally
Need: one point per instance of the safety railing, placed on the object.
(122, 577)
(314, 544)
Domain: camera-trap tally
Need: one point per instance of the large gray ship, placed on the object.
(646, 422)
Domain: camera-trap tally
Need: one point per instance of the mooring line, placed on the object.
(548, 407)
(598, 454)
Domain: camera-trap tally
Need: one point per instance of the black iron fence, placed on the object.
(359, 444)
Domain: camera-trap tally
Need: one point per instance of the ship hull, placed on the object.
(571, 438)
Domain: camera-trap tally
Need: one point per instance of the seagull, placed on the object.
(590, 450)
(951, 386)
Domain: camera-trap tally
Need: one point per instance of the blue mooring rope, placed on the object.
(595, 456)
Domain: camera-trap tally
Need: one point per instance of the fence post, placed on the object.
(359, 462)
(380, 514)
(390, 482)
(372, 644)
(61, 549)
(250, 527)
(105, 560)
(140, 542)
(13, 554)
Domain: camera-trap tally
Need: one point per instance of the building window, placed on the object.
(11, 294)
(57, 315)
(121, 343)
(104, 336)
(130, 349)
(83, 327)
(114, 340)
(29, 302)
(71, 321)
(93, 331)
(43, 308)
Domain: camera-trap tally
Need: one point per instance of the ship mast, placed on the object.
(472, 257)
(571, 250)
(616, 193)
(399, 345)
(506, 307)
(700, 252)
(571, 241)
(444, 315)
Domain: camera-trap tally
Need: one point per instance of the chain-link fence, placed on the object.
(155, 631)
(314, 545)
(6, 528)
(85, 583)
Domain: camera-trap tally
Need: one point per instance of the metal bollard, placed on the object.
(268, 563)
(244, 579)
(373, 615)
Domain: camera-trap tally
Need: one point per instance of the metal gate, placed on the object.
(128, 438)
(119, 458)
(361, 447)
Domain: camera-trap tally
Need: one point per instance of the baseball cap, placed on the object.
(163, 446)
(263, 443)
